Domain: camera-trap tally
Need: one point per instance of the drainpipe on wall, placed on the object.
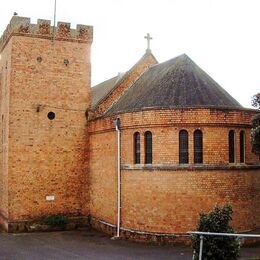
(117, 125)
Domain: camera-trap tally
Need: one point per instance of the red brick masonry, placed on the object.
(167, 197)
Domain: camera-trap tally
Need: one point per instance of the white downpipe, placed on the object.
(118, 177)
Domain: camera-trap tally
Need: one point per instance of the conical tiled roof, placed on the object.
(177, 83)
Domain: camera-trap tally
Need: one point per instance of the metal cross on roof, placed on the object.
(148, 38)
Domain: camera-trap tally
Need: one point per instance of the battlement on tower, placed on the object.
(43, 29)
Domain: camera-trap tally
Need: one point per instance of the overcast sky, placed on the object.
(221, 36)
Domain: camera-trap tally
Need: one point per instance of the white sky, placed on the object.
(221, 36)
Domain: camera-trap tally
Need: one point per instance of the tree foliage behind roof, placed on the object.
(256, 100)
(255, 135)
(255, 132)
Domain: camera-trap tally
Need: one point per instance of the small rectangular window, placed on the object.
(198, 147)
(231, 141)
(242, 146)
(183, 147)
(137, 148)
(148, 147)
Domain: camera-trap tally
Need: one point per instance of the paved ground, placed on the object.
(89, 245)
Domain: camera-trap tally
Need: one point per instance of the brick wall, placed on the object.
(47, 157)
(165, 125)
(170, 201)
(5, 71)
(103, 176)
(158, 200)
(166, 144)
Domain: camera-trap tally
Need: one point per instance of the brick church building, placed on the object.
(141, 154)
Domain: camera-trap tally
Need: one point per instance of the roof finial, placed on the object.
(148, 38)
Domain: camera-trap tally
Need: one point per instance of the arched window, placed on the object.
(198, 147)
(183, 147)
(148, 147)
(137, 148)
(242, 146)
(231, 145)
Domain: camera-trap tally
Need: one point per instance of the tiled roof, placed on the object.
(178, 82)
(101, 90)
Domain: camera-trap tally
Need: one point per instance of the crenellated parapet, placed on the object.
(23, 26)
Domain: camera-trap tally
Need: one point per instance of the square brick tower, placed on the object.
(44, 91)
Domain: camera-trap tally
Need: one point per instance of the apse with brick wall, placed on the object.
(185, 146)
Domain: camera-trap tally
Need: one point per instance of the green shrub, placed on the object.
(255, 139)
(255, 132)
(57, 220)
(216, 247)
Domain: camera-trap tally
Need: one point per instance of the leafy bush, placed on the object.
(256, 120)
(255, 134)
(57, 220)
(216, 247)
(255, 140)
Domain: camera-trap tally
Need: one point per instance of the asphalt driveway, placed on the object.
(89, 245)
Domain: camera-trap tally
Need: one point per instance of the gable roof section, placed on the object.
(177, 83)
(99, 91)
(108, 92)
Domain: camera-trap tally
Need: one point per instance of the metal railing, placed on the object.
(202, 234)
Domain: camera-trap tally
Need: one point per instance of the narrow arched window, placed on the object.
(183, 147)
(242, 146)
(231, 145)
(198, 147)
(148, 147)
(137, 148)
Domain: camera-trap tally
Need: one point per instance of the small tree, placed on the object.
(255, 135)
(216, 247)
(255, 132)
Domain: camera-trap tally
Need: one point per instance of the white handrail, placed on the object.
(223, 234)
(201, 234)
